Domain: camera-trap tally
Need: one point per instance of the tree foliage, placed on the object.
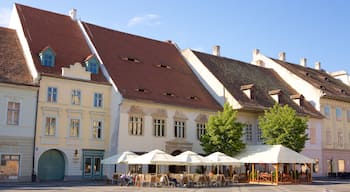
(281, 125)
(223, 133)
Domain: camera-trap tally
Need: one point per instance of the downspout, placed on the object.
(35, 125)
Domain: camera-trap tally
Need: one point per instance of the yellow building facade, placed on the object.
(73, 127)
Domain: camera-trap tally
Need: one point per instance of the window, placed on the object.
(98, 100)
(52, 94)
(92, 65)
(76, 96)
(338, 113)
(327, 111)
(135, 125)
(200, 130)
(341, 166)
(74, 128)
(47, 57)
(179, 129)
(13, 113)
(249, 133)
(50, 126)
(97, 129)
(259, 135)
(9, 166)
(348, 116)
(159, 127)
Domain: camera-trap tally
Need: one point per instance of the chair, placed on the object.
(116, 178)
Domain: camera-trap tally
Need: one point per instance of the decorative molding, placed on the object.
(160, 113)
(136, 110)
(180, 116)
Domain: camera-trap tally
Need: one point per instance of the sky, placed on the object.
(318, 30)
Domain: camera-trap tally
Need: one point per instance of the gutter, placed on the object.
(35, 129)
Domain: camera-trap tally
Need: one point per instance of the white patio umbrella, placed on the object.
(155, 157)
(222, 159)
(119, 158)
(191, 158)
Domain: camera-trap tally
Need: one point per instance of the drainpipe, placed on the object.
(35, 124)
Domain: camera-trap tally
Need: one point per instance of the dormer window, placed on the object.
(164, 66)
(247, 90)
(298, 99)
(131, 59)
(169, 94)
(47, 57)
(193, 98)
(92, 64)
(275, 94)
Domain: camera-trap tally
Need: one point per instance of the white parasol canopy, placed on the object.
(155, 157)
(191, 158)
(119, 158)
(222, 159)
(271, 154)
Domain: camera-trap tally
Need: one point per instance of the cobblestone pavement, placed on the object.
(318, 186)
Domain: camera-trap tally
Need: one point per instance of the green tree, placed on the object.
(281, 125)
(223, 133)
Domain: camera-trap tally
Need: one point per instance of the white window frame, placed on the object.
(179, 129)
(76, 97)
(45, 126)
(136, 125)
(93, 135)
(159, 127)
(74, 129)
(98, 100)
(12, 112)
(201, 129)
(52, 94)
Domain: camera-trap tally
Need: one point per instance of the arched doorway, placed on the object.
(51, 166)
(176, 168)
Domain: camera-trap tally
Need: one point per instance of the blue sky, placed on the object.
(316, 29)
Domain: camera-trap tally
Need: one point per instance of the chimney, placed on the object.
(282, 56)
(73, 14)
(216, 50)
(256, 52)
(303, 62)
(318, 65)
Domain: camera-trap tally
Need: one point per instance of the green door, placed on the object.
(51, 166)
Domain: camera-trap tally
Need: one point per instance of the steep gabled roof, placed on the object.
(148, 69)
(330, 86)
(59, 32)
(237, 76)
(13, 67)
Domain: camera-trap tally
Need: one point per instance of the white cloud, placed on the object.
(5, 15)
(148, 20)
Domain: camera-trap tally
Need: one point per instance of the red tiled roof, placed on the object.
(237, 76)
(13, 67)
(60, 32)
(330, 86)
(148, 69)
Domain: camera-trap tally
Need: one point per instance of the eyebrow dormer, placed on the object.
(276, 94)
(47, 57)
(247, 90)
(297, 98)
